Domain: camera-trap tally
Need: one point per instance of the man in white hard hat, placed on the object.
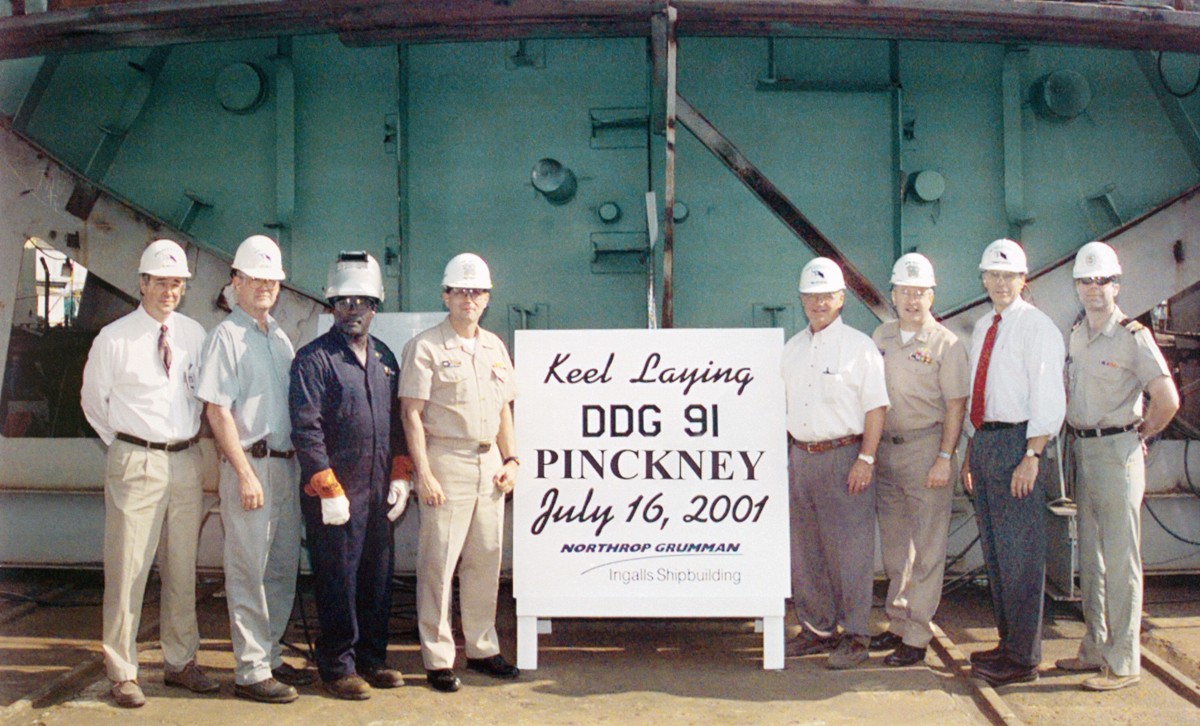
(1016, 406)
(347, 431)
(464, 460)
(137, 394)
(1112, 361)
(927, 383)
(836, 400)
(244, 384)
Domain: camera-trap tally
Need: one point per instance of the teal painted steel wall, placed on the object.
(474, 124)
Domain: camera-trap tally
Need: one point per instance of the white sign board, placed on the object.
(653, 477)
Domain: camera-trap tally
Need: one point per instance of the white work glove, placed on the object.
(398, 498)
(335, 510)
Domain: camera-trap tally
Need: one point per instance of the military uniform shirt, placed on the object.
(1107, 372)
(464, 393)
(922, 374)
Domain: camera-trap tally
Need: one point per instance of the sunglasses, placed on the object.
(1097, 281)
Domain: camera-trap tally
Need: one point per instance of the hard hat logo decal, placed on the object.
(1091, 259)
(913, 270)
(819, 274)
(1001, 254)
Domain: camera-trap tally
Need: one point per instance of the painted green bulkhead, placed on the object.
(421, 151)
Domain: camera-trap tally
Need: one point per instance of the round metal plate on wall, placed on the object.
(241, 87)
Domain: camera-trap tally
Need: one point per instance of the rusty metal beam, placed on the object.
(363, 22)
(669, 51)
(780, 205)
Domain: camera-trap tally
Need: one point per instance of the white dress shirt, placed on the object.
(1025, 378)
(125, 388)
(832, 378)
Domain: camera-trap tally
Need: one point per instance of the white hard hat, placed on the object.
(913, 269)
(1096, 259)
(164, 258)
(354, 274)
(469, 271)
(821, 274)
(1004, 255)
(259, 256)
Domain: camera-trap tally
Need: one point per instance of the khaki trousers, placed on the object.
(1112, 481)
(914, 523)
(468, 529)
(150, 496)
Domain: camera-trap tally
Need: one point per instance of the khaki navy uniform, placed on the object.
(1107, 373)
(922, 375)
(464, 394)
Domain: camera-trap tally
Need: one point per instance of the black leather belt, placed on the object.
(897, 439)
(170, 446)
(1093, 433)
(1000, 425)
(259, 450)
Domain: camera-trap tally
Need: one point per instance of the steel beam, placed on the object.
(367, 22)
(780, 205)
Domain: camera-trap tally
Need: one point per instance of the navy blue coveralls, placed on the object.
(346, 417)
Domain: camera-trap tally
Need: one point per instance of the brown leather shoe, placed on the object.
(850, 652)
(383, 677)
(128, 694)
(809, 643)
(268, 691)
(191, 678)
(288, 675)
(351, 687)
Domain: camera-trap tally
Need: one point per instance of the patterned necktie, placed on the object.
(981, 372)
(164, 349)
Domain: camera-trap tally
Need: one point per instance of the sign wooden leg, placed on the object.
(772, 643)
(527, 642)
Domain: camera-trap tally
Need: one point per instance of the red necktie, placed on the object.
(981, 371)
(164, 349)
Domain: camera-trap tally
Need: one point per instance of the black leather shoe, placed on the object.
(444, 680)
(495, 666)
(905, 655)
(1004, 673)
(987, 656)
(887, 640)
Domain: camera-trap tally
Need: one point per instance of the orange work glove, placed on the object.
(402, 468)
(325, 485)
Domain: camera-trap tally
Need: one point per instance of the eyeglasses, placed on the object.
(471, 292)
(912, 293)
(1000, 276)
(1097, 281)
(350, 303)
(819, 297)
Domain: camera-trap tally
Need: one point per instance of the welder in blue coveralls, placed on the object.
(355, 474)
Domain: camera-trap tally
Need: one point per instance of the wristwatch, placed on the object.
(945, 454)
(1034, 454)
(867, 459)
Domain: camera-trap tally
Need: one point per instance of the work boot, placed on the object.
(191, 678)
(128, 694)
(809, 643)
(351, 687)
(381, 676)
(1109, 681)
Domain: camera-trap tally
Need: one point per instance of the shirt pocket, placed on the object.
(450, 384)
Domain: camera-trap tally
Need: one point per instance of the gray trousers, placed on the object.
(914, 523)
(1012, 533)
(833, 543)
(262, 555)
(1112, 480)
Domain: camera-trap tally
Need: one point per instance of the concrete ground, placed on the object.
(590, 671)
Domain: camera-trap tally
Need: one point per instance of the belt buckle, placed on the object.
(258, 449)
(484, 447)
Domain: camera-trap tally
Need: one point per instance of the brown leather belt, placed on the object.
(1094, 433)
(819, 447)
(169, 446)
(259, 450)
